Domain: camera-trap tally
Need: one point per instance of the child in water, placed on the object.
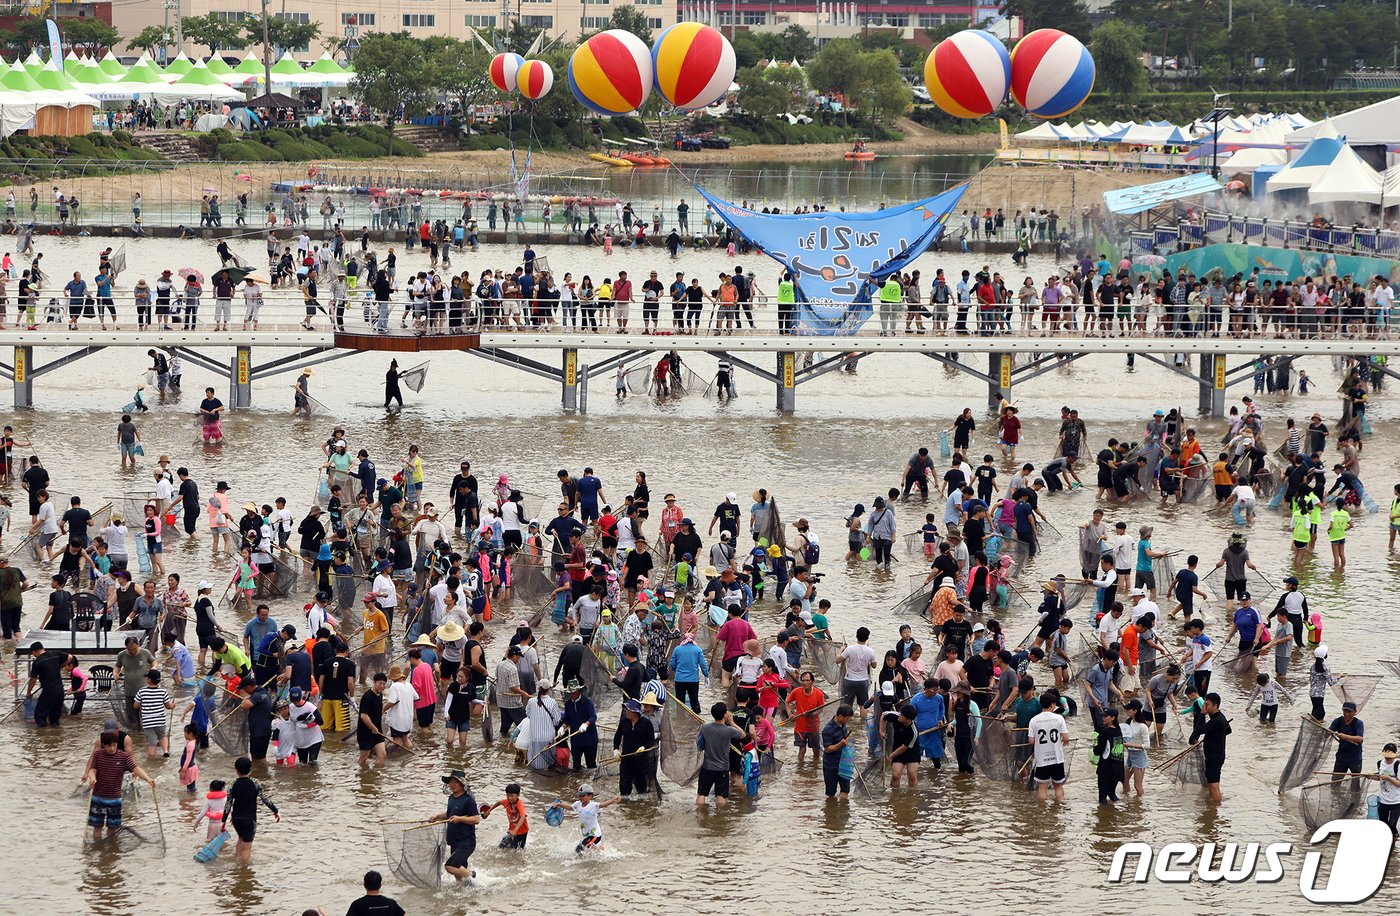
(1312, 628)
(189, 759)
(214, 801)
(517, 824)
(586, 809)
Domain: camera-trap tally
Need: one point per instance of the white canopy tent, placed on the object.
(1347, 180)
(1047, 131)
(198, 85)
(1369, 126)
(1247, 160)
(17, 110)
(1304, 171)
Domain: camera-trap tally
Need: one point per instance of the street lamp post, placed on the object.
(1215, 116)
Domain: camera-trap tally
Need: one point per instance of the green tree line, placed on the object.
(1258, 44)
(404, 76)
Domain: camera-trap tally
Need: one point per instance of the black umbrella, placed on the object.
(235, 274)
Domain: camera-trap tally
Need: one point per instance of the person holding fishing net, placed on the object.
(1047, 732)
(462, 816)
(1211, 731)
(1350, 732)
(105, 769)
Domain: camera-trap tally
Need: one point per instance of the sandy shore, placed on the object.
(1066, 190)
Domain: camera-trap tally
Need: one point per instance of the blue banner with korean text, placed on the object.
(836, 259)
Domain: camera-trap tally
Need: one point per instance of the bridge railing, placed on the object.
(1216, 228)
(285, 309)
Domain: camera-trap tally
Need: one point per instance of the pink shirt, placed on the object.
(763, 733)
(670, 522)
(735, 632)
(424, 683)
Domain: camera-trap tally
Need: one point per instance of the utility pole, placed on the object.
(167, 6)
(267, 52)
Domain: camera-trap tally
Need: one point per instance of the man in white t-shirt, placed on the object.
(1047, 734)
(317, 616)
(1243, 495)
(164, 491)
(1111, 624)
(437, 602)
(1142, 605)
(46, 527)
(626, 534)
(282, 522)
(386, 595)
(1124, 554)
(1384, 299)
(252, 302)
(855, 681)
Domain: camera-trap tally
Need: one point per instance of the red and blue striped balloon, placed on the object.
(967, 74)
(1052, 73)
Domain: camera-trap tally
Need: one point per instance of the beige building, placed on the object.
(352, 19)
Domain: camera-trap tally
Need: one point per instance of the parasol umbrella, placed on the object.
(187, 272)
(1235, 185)
(236, 274)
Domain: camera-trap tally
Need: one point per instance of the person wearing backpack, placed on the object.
(1107, 755)
(807, 546)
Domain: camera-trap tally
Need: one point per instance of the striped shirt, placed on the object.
(152, 701)
(110, 768)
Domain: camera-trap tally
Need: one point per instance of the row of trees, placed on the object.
(1265, 42)
(868, 80)
(404, 75)
(92, 37)
(218, 34)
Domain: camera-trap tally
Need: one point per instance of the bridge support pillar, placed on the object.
(569, 379)
(1212, 384)
(999, 377)
(787, 382)
(24, 375)
(240, 374)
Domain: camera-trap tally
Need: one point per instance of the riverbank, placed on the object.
(171, 194)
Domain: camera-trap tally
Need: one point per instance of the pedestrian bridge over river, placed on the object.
(282, 344)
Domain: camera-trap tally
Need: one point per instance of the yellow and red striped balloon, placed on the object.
(534, 79)
(611, 73)
(694, 65)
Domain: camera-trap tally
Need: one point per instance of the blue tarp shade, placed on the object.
(838, 259)
(1145, 197)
